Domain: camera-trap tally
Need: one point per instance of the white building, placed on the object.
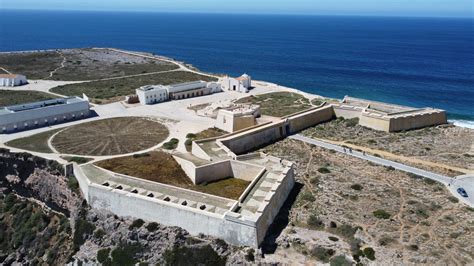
(237, 117)
(152, 94)
(159, 93)
(240, 84)
(33, 115)
(12, 80)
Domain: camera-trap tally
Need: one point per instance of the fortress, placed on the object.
(388, 117)
(244, 221)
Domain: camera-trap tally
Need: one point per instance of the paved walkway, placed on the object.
(445, 180)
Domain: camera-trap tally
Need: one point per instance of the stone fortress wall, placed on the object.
(388, 117)
(240, 222)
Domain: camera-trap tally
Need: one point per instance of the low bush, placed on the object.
(314, 222)
(103, 255)
(345, 230)
(357, 187)
(136, 224)
(99, 233)
(307, 196)
(152, 227)
(183, 256)
(339, 261)
(172, 144)
(453, 199)
(126, 254)
(369, 253)
(333, 238)
(322, 254)
(324, 170)
(381, 214)
(191, 136)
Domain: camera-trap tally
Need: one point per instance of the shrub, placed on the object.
(250, 256)
(73, 184)
(82, 230)
(314, 222)
(172, 144)
(381, 214)
(357, 187)
(103, 255)
(183, 256)
(453, 199)
(188, 142)
(78, 160)
(136, 224)
(369, 253)
(125, 254)
(324, 170)
(99, 233)
(346, 231)
(322, 254)
(390, 168)
(415, 176)
(422, 212)
(333, 238)
(152, 227)
(307, 196)
(191, 136)
(339, 261)
(413, 247)
(315, 180)
(429, 181)
(352, 122)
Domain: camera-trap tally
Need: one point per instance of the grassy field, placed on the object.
(161, 167)
(8, 97)
(114, 90)
(205, 134)
(278, 104)
(110, 137)
(33, 65)
(91, 64)
(80, 64)
(36, 143)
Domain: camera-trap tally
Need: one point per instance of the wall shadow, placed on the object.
(281, 221)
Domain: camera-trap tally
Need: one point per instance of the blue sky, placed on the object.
(443, 8)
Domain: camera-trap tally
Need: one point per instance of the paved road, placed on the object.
(445, 180)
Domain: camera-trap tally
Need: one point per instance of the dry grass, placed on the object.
(424, 227)
(8, 97)
(161, 167)
(451, 145)
(80, 64)
(113, 90)
(205, 134)
(111, 137)
(36, 143)
(278, 104)
(33, 65)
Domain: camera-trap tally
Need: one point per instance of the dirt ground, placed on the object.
(349, 207)
(447, 145)
(110, 137)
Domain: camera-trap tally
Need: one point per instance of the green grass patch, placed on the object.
(278, 104)
(36, 143)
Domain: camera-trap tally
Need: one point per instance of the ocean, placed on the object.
(412, 61)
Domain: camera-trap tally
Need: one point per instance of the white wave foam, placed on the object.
(463, 123)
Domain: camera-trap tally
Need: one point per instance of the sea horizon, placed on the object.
(415, 61)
